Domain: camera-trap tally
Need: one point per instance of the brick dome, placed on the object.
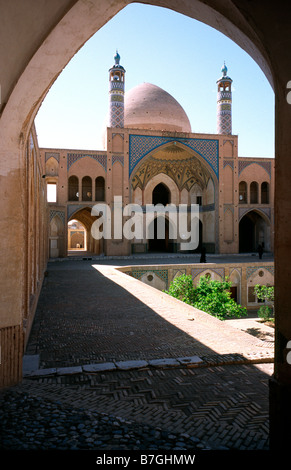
(150, 107)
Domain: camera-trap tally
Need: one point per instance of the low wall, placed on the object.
(243, 276)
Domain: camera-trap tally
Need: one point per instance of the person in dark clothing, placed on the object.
(203, 255)
(260, 251)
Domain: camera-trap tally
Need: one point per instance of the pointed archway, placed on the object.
(254, 230)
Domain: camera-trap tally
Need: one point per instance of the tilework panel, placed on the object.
(196, 271)
(161, 273)
(60, 214)
(116, 114)
(245, 210)
(251, 270)
(142, 145)
(228, 162)
(55, 155)
(178, 272)
(117, 158)
(73, 157)
(244, 163)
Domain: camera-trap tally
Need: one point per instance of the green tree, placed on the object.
(266, 294)
(182, 288)
(214, 297)
(211, 296)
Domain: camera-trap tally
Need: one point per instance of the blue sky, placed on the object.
(177, 53)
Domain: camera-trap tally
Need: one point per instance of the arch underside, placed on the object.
(183, 167)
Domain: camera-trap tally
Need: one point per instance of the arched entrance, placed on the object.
(157, 244)
(161, 194)
(84, 221)
(254, 230)
(160, 225)
(77, 236)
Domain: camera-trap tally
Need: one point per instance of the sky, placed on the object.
(177, 53)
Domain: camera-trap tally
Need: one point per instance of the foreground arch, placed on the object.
(51, 33)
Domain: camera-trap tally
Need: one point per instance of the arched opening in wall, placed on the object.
(77, 236)
(73, 188)
(265, 197)
(254, 230)
(159, 241)
(53, 70)
(86, 188)
(243, 195)
(161, 195)
(56, 237)
(100, 189)
(254, 193)
(83, 221)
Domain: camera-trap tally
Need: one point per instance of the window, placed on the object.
(251, 295)
(254, 192)
(199, 200)
(86, 189)
(100, 189)
(51, 192)
(73, 188)
(243, 198)
(265, 193)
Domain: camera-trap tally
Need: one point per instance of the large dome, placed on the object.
(149, 107)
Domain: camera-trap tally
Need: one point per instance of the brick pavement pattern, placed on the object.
(92, 314)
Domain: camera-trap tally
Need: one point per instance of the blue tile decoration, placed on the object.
(54, 155)
(244, 163)
(142, 145)
(60, 214)
(251, 270)
(73, 157)
(229, 163)
(161, 273)
(196, 271)
(178, 272)
(118, 158)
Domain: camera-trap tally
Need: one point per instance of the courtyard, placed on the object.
(112, 349)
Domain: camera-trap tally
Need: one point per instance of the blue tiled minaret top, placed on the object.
(116, 93)
(224, 103)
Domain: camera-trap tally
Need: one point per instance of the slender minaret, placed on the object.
(224, 101)
(116, 93)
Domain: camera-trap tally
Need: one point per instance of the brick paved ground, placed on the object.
(90, 314)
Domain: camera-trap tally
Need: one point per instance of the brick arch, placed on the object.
(168, 182)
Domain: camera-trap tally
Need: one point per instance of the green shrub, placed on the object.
(267, 294)
(265, 312)
(211, 296)
(182, 288)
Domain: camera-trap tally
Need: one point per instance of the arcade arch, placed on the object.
(84, 217)
(77, 236)
(254, 230)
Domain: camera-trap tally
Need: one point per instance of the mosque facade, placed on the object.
(151, 156)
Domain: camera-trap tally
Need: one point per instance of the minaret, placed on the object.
(116, 93)
(224, 101)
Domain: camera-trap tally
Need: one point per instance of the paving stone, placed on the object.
(69, 370)
(42, 372)
(125, 365)
(163, 362)
(190, 360)
(99, 367)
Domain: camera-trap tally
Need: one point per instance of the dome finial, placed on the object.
(117, 58)
(224, 69)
